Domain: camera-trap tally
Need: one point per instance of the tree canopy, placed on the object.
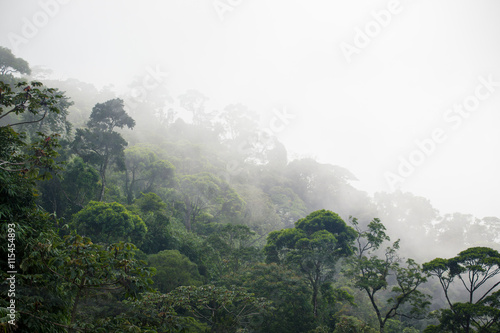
(315, 245)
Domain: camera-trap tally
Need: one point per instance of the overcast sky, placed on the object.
(402, 93)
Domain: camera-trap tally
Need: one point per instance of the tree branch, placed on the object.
(32, 121)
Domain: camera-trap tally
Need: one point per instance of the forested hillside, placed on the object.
(155, 214)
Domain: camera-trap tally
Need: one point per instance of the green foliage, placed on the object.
(80, 183)
(145, 171)
(16, 155)
(153, 212)
(225, 310)
(150, 203)
(349, 324)
(313, 247)
(155, 313)
(99, 144)
(233, 248)
(80, 270)
(20, 164)
(52, 122)
(477, 270)
(373, 274)
(260, 211)
(207, 195)
(323, 220)
(289, 206)
(108, 115)
(70, 190)
(203, 221)
(159, 236)
(109, 223)
(289, 293)
(173, 270)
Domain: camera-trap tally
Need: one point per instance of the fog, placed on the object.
(403, 94)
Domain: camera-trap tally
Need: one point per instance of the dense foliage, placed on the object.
(204, 225)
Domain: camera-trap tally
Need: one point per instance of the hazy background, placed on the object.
(361, 115)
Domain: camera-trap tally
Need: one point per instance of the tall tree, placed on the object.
(99, 143)
(10, 64)
(373, 274)
(145, 171)
(314, 246)
(476, 271)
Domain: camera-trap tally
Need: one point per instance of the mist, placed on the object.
(370, 109)
(363, 108)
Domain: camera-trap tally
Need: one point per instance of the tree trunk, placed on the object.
(130, 187)
(315, 300)
(103, 187)
(103, 177)
(381, 322)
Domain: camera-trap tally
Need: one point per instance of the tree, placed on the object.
(464, 230)
(260, 211)
(234, 246)
(205, 193)
(409, 218)
(173, 270)
(145, 171)
(314, 246)
(288, 291)
(155, 312)
(22, 164)
(99, 144)
(289, 207)
(324, 185)
(477, 271)
(224, 309)
(81, 270)
(16, 155)
(157, 220)
(29, 131)
(71, 189)
(52, 122)
(373, 274)
(9, 63)
(109, 223)
(80, 184)
(194, 102)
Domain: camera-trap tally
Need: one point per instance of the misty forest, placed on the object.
(153, 211)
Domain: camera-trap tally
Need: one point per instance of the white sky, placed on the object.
(363, 115)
